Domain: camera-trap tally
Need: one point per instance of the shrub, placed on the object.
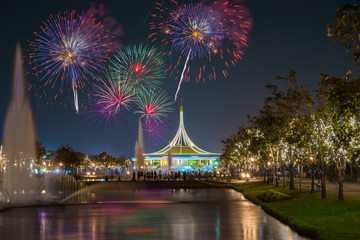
(273, 196)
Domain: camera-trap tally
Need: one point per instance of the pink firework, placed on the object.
(153, 105)
(110, 99)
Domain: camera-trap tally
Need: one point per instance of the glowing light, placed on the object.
(196, 34)
(138, 68)
(149, 109)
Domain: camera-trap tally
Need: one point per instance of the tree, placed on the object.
(283, 121)
(346, 29)
(69, 158)
(344, 107)
(40, 151)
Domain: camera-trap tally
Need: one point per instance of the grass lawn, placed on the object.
(306, 213)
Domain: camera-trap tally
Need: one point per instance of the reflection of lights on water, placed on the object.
(23, 192)
(140, 230)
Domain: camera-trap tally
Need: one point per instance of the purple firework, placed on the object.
(153, 130)
(69, 48)
(208, 32)
(195, 30)
(110, 98)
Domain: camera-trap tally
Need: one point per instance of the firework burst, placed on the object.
(114, 94)
(206, 32)
(153, 130)
(153, 105)
(110, 98)
(142, 63)
(69, 48)
(195, 30)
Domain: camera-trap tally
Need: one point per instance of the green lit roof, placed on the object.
(181, 144)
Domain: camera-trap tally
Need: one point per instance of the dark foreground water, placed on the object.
(147, 214)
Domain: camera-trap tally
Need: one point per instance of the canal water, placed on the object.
(184, 214)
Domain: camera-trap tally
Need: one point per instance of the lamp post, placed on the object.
(268, 173)
(252, 159)
(301, 165)
(312, 173)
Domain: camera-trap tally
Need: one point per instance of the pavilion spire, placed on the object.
(181, 138)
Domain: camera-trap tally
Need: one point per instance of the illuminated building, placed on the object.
(183, 153)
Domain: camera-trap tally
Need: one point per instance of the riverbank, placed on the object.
(306, 213)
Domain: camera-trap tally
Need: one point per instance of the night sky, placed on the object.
(285, 34)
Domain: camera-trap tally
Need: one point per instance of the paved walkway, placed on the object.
(350, 189)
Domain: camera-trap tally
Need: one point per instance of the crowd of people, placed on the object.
(159, 175)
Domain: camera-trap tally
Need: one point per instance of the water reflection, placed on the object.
(192, 214)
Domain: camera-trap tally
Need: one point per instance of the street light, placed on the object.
(312, 174)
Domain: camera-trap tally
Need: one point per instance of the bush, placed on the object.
(273, 196)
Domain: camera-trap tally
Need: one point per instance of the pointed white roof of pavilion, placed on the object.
(181, 144)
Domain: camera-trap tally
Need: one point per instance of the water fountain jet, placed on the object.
(139, 150)
(18, 142)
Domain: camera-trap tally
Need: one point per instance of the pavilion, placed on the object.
(184, 154)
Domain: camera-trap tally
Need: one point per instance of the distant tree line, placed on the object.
(67, 158)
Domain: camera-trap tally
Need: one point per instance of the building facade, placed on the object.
(181, 153)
